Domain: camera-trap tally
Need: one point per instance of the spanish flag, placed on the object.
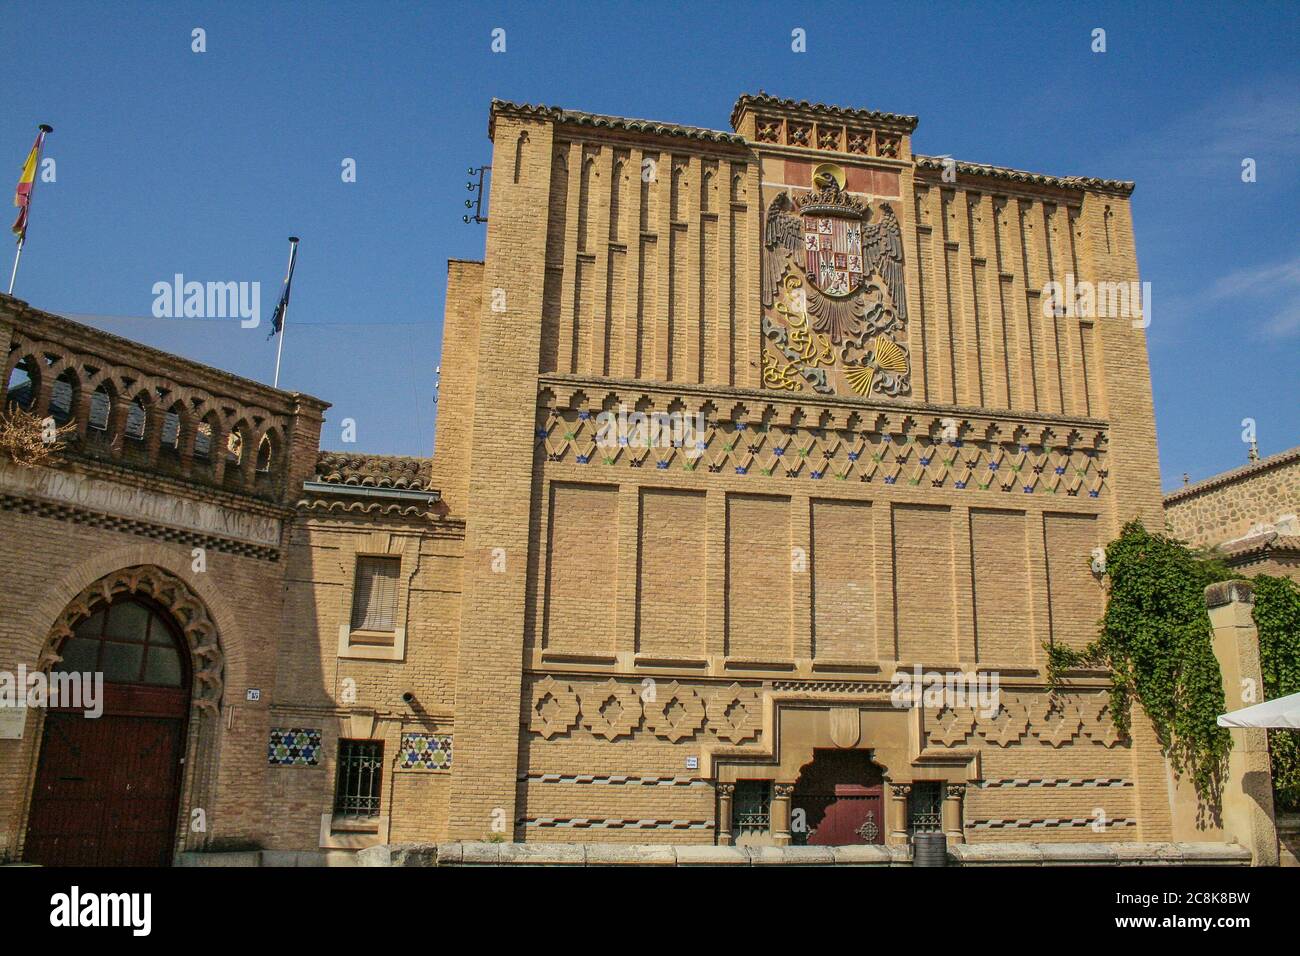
(26, 183)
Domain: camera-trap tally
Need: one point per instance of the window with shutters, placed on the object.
(62, 398)
(100, 407)
(171, 432)
(136, 417)
(374, 594)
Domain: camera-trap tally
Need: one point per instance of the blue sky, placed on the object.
(173, 161)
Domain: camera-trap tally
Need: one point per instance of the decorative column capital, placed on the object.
(955, 791)
(900, 790)
(783, 789)
(726, 789)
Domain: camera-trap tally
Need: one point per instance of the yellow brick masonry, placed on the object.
(597, 281)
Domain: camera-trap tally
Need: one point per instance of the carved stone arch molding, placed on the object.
(186, 607)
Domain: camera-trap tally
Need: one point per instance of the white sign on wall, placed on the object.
(13, 720)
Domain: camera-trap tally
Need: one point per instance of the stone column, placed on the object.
(1248, 788)
(781, 793)
(951, 812)
(726, 791)
(896, 814)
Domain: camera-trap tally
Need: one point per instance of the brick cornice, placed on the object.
(1005, 174)
(802, 109)
(597, 121)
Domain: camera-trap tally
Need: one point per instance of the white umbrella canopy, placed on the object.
(1282, 712)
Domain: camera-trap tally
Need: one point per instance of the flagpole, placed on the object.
(284, 316)
(45, 129)
(17, 255)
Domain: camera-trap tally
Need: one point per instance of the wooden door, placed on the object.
(849, 816)
(107, 787)
(105, 791)
(839, 800)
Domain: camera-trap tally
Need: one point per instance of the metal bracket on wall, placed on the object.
(477, 202)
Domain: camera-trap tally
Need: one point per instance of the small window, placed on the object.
(264, 455)
(374, 596)
(751, 807)
(171, 432)
(135, 421)
(100, 406)
(203, 440)
(356, 789)
(61, 396)
(22, 384)
(924, 807)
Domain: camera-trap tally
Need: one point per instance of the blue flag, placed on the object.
(281, 307)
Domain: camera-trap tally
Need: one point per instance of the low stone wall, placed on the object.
(276, 858)
(985, 854)
(1288, 838)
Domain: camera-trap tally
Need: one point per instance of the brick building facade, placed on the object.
(733, 428)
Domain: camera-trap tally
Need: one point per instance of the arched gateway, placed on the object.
(108, 786)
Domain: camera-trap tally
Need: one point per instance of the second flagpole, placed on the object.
(284, 308)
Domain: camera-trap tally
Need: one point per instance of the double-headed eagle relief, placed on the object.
(834, 297)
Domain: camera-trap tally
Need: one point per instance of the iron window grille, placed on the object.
(356, 790)
(751, 807)
(924, 808)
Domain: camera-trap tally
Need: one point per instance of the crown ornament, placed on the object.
(830, 201)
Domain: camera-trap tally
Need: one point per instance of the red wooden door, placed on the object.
(107, 787)
(105, 791)
(839, 800)
(850, 816)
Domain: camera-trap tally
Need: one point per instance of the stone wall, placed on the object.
(1237, 503)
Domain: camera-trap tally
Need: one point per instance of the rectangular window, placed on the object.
(751, 807)
(356, 789)
(374, 594)
(136, 418)
(99, 409)
(203, 440)
(171, 431)
(923, 807)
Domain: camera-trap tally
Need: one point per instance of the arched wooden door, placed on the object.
(838, 800)
(107, 787)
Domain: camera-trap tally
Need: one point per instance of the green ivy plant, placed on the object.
(1157, 643)
(1277, 618)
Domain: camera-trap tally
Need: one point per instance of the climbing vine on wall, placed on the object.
(1157, 642)
(1277, 617)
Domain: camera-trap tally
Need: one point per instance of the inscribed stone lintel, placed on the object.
(203, 517)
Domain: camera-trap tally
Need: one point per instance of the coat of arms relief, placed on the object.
(834, 300)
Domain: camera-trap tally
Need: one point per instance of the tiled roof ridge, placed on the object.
(372, 509)
(847, 112)
(1227, 477)
(600, 120)
(1024, 176)
(373, 471)
(1267, 541)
